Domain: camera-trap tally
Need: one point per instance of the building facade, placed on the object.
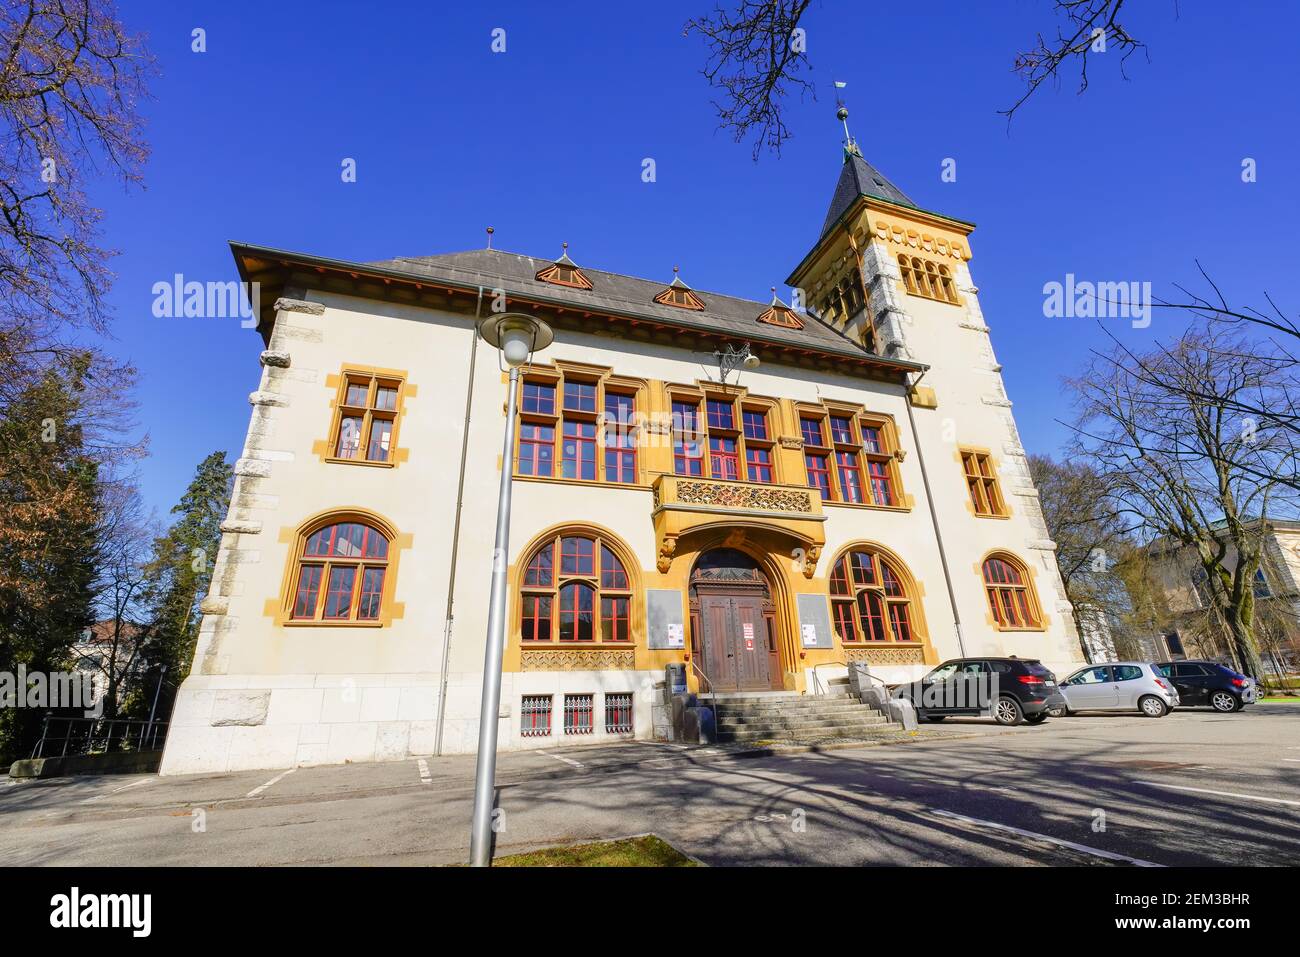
(1193, 630)
(860, 495)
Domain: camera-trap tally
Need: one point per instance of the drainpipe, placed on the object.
(455, 532)
(934, 515)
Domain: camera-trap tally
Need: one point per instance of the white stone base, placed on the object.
(245, 722)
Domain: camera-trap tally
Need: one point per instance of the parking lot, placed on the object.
(1194, 788)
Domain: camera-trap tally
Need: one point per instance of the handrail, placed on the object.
(817, 681)
(712, 691)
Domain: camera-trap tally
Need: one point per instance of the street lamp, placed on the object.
(518, 336)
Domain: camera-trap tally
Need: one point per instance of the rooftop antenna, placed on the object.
(490, 231)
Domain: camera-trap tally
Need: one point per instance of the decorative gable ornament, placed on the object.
(564, 272)
(679, 294)
(779, 314)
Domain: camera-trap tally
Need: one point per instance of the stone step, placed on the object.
(799, 721)
(813, 735)
(846, 704)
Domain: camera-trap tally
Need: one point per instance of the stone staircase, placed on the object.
(789, 718)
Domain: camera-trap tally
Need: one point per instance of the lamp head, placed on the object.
(517, 335)
(752, 361)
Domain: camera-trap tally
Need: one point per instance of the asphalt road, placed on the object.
(1194, 788)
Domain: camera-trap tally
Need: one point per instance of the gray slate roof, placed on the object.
(860, 178)
(625, 295)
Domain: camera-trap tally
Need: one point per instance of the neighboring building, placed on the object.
(765, 531)
(1192, 631)
(95, 654)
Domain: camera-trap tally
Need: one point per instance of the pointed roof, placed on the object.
(860, 178)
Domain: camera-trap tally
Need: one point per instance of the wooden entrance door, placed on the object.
(738, 645)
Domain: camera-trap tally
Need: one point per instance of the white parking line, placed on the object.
(1084, 848)
(262, 787)
(560, 757)
(124, 787)
(425, 776)
(1231, 794)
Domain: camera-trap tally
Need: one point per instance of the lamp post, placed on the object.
(518, 336)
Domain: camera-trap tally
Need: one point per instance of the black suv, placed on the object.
(1011, 690)
(1209, 683)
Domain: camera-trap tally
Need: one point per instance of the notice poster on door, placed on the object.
(748, 629)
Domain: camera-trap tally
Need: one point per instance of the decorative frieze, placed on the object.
(766, 498)
(578, 659)
(886, 656)
(791, 442)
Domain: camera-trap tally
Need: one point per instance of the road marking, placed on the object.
(1231, 794)
(133, 784)
(560, 757)
(1292, 760)
(425, 776)
(1084, 848)
(262, 787)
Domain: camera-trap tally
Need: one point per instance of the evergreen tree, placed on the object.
(180, 573)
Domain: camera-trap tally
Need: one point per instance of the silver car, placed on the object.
(1120, 686)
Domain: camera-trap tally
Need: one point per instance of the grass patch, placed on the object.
(645, 851)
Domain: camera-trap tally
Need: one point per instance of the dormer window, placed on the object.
(779, 314)
(679, 294)
(564, 272)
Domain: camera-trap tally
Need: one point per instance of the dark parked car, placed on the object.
(1011, 690)
(1209, 683)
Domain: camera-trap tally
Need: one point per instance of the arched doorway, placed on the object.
(733, 628)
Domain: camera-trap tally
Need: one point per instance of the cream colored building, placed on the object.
(861, 495)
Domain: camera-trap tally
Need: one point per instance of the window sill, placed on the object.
(335, 460)
(864, 505)
(1029, 628)
(306, 623)
(882, 644)
(594, 483)
(990, 515)
(570, 645)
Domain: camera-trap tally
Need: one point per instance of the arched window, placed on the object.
(339, 574)
(575, 589)
(905, 268)
(1010, 593)
(869, 599)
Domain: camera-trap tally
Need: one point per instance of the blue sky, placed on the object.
(1133, 181)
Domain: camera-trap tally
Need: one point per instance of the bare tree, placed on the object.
(755, 59)
(1167, 434)
(69, 84)
(123, 594)
(1091, 533)
(1088, 27)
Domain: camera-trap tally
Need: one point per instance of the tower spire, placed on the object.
(842, 113)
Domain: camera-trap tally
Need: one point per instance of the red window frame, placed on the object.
(819, 473)
(758, 464)
(724, 459)
(850, 476)
(535, 440)
(578, 450)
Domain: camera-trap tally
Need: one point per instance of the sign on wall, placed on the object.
(663, 617)
(815, 621)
